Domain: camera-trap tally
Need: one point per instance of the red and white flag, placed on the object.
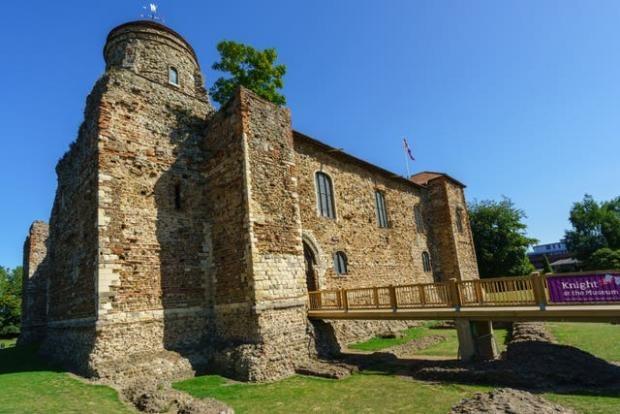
(407, 149)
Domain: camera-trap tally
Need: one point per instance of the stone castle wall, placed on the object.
(376, 256)
(178, 228)
(151, 275)
(34, 284)
(458, 258)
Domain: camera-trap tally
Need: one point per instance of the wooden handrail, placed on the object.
(528, 290)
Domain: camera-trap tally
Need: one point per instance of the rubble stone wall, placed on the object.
(34, 284)
(458, 257)
(152, 221)
(376, 256)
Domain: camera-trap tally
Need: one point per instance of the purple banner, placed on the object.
(596, 287)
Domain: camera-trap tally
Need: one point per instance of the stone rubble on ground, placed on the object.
(508, 401)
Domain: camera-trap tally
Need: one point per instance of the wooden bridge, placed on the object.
(591, 297)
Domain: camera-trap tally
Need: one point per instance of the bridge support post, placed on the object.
(476, 340)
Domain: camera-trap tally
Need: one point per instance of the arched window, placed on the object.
(382, 218)
(325, 195)
(340, 263)
(459, 219)
(173, 76)
(419, 220)
(426, 262)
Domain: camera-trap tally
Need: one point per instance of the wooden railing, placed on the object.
(529, 290)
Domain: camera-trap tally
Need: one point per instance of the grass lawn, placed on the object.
(7, 342)
(447, 348)
(29, 386)
(600, 339)
(360, 393)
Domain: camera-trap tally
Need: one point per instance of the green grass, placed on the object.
(360, 393)
(7, 342)
(600, 339)
(29, 386)
(587, 404)
(448, 348)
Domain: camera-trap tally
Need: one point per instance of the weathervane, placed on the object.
(150, 12)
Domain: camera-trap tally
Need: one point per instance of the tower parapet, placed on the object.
(156, 52)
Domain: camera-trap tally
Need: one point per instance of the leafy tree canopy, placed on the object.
(604, 259)
(10, 300)
(595, 226)
(248, 67)
(500, 238)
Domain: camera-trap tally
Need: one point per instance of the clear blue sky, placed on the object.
(518, 98)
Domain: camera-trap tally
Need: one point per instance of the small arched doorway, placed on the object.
(310, 260)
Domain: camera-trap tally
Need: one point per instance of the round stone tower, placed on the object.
(156, 52)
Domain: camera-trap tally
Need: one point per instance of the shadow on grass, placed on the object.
(23, 359)
(532, 366)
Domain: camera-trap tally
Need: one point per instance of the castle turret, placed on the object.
(156, 52)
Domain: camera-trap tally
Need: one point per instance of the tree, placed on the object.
(595, 226)
(10, 300)
(546, 265)
(500, 238)
(604, 259)
(248, 67)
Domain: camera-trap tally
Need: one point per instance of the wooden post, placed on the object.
(538, 285)
(375, 298)
(345, 300)
(393, 303)
(455, 297)
(422, 295)
(478, 287)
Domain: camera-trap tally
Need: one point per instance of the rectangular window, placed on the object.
(382, 219)
(419, 220)
(173, 76)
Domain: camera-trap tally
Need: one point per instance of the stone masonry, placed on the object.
(179, 228)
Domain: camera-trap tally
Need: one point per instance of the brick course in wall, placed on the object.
(176, 227)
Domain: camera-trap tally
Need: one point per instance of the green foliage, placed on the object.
(10, 300)
(500, 238)
(595, 226)
(604, 259)
(546, 265)
(250, 68)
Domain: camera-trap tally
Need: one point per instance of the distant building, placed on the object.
(560, 258)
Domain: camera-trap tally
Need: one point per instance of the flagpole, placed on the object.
(406, 159)
(407, 164)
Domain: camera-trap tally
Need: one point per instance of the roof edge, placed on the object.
(354, 159)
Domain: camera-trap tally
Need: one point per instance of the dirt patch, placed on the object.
(508, 401)
(412, 347)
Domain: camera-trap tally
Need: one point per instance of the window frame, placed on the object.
(381, 210)
(426, 262)
(341, 262)
(177, 81)
(419, 218)
(325, 199)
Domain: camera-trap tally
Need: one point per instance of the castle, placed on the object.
(176, 227)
